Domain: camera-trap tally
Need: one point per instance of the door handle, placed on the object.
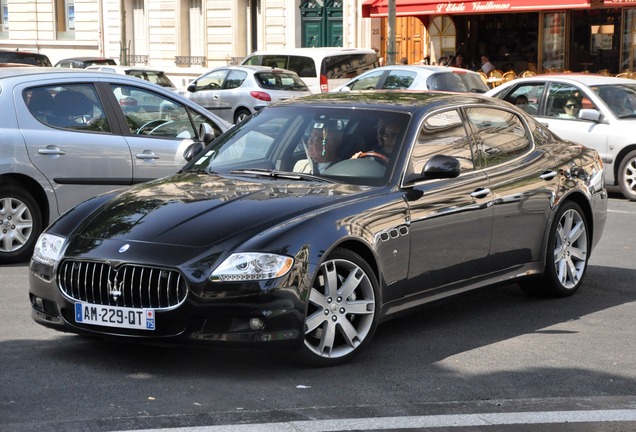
(548, 175)
(147, 156)
(480, 192)
(51, 151)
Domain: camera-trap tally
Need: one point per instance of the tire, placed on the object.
(566, 256)
(342, 313)
(627, 176)
(240, 115)
(20, 224)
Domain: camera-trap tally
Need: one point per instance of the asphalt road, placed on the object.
(494, 360)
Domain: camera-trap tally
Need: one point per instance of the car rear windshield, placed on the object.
(348, 65)
(272, 80)
(462, 82)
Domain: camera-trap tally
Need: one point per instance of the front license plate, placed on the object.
(115, 316)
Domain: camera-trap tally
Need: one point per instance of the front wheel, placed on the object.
(20, 224)
(627, 176)
(567, 254)
(343, 310)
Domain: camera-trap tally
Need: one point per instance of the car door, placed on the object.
(160, 129)
(523, 179)
(71, 140)
(451, 219)
(207, 92)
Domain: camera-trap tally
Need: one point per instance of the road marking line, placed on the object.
(413, 422)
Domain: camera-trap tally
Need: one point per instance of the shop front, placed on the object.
(544, 35)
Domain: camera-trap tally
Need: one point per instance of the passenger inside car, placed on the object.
(322, 147)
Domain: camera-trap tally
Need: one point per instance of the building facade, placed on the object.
(182, 37)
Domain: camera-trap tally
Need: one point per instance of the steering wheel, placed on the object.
(165, 124)
(374, 154)
(151, 125)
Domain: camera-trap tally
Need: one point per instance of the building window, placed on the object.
(65, 19)
(140, 32)
(197, 28)
(443, 34)
(4, 18)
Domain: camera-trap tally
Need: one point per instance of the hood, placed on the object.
(193, 209)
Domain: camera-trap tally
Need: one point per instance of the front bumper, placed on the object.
(256, 316)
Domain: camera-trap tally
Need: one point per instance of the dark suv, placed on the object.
(24, 57)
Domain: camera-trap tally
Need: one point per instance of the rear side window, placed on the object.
(75, 107)
(502, 136)
(303, 66)
(399, 80)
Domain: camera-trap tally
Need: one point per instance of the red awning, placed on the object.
(380, 8)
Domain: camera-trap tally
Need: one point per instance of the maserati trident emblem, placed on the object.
(114, 287)
(124, 248)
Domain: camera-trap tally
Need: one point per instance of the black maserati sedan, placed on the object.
(313, 221)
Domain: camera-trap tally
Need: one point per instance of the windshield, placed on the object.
(621, 98)
(357, 146)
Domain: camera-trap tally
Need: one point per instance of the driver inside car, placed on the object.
(387, 136)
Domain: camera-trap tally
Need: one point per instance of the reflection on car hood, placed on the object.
(199, 209)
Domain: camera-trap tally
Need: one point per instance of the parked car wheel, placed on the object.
(241, 115)
(627, 176)
(342, 313)
(20, 224)
(567, 254)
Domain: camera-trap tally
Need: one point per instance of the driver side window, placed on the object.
(148, 113)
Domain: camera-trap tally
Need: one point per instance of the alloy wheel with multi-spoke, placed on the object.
(570, 249)
(627, 176)
(342, 308)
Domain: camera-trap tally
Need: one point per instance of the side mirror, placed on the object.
(206, 134)
(440, 166)
(192, 87)
(193, 150)
(437, 167)
(344, 89)
(590, 114)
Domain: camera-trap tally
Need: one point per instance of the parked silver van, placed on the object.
(322, 69)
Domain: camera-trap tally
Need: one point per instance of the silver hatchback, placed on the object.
(70, 135)
(236, 92)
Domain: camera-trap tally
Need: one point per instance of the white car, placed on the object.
(593, 110)
(417, 77)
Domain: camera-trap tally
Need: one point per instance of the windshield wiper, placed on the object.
(281, 174)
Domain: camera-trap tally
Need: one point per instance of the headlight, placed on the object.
(251, 267)
(48, 249)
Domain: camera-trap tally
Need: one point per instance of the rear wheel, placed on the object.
(20, 224)
(241, 115)
(342, 312)
(566, 256)
(627, 176)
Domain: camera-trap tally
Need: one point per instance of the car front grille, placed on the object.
(128, 285)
